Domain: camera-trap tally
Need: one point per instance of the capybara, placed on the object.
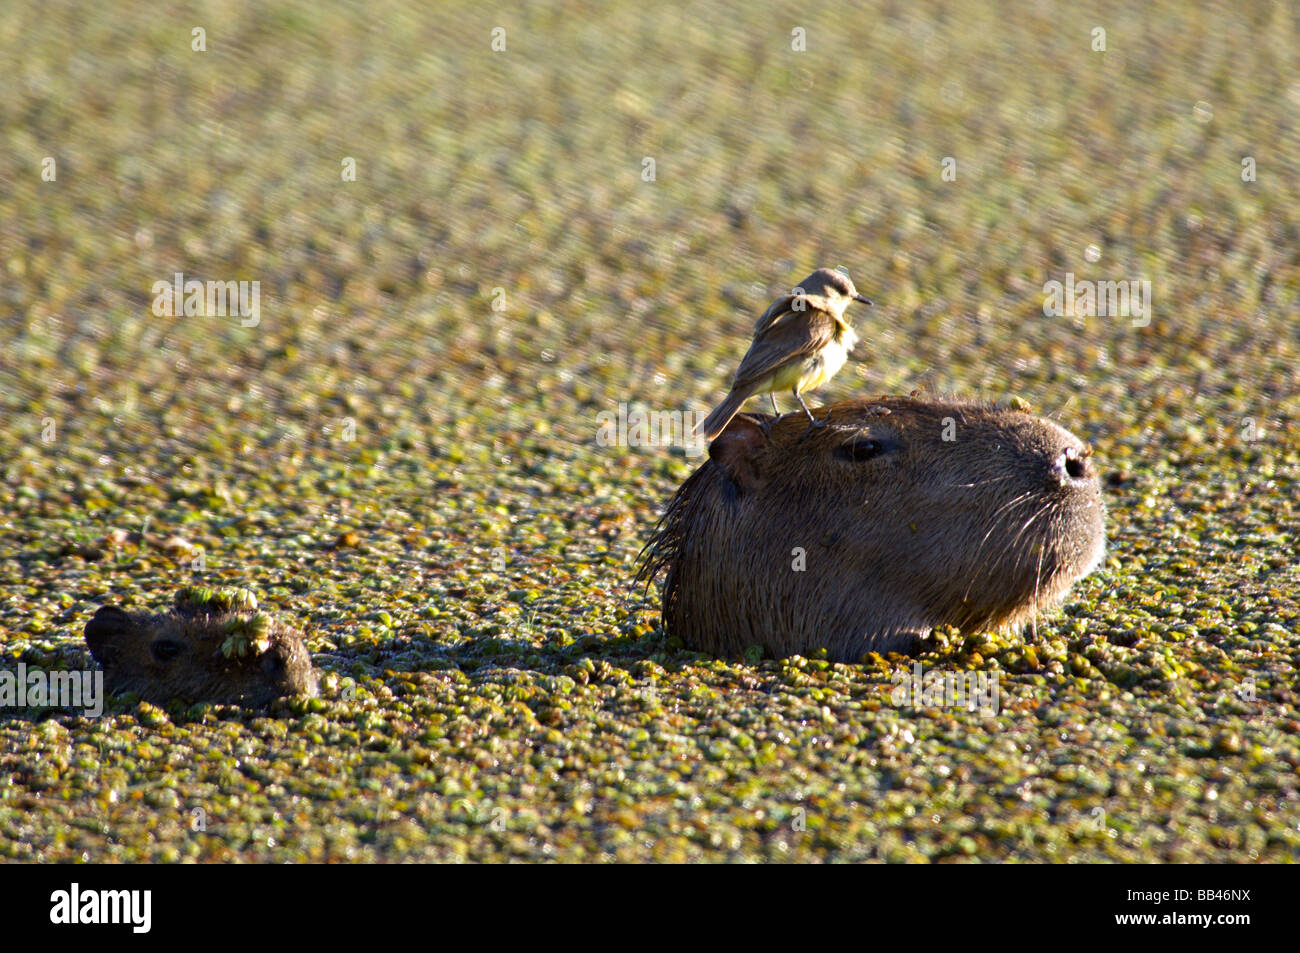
(864, 535)
(213, 646)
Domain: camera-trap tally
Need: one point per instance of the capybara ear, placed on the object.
(108, 625)
(736, 450)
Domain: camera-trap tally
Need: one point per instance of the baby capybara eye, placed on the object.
(164, 650)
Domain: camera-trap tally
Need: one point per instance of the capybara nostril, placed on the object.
(274, 664)
(1072, 464)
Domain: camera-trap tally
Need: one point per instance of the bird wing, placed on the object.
(784, 307)
(789, 336)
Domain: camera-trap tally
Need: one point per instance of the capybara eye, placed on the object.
(164, 650)
(859, 449)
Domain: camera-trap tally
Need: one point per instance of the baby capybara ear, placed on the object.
(109, 625)
(736, 451)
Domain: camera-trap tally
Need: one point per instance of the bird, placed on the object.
(800, 342)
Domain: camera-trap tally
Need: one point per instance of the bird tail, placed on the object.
(717, 421)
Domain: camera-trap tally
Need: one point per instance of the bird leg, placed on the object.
(766, 425)
(813, 422)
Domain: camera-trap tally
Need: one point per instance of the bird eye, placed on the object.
(164, 650)
(860, 449)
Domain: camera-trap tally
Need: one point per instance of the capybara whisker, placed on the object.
(975, 483)
(994, 524)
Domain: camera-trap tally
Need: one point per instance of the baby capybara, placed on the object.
(213, 646)
(896, 516)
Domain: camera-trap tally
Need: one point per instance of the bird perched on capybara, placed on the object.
(213, 646)
(864, 535)
(800, 342)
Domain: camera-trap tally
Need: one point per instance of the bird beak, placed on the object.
(862, 299)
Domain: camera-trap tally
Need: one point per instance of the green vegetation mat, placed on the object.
(401, 455)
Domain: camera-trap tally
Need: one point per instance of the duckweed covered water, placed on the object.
(400, 455)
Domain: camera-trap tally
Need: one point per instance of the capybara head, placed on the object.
(896, 516)
(213, 646)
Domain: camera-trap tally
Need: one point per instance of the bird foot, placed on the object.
(815, 424)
